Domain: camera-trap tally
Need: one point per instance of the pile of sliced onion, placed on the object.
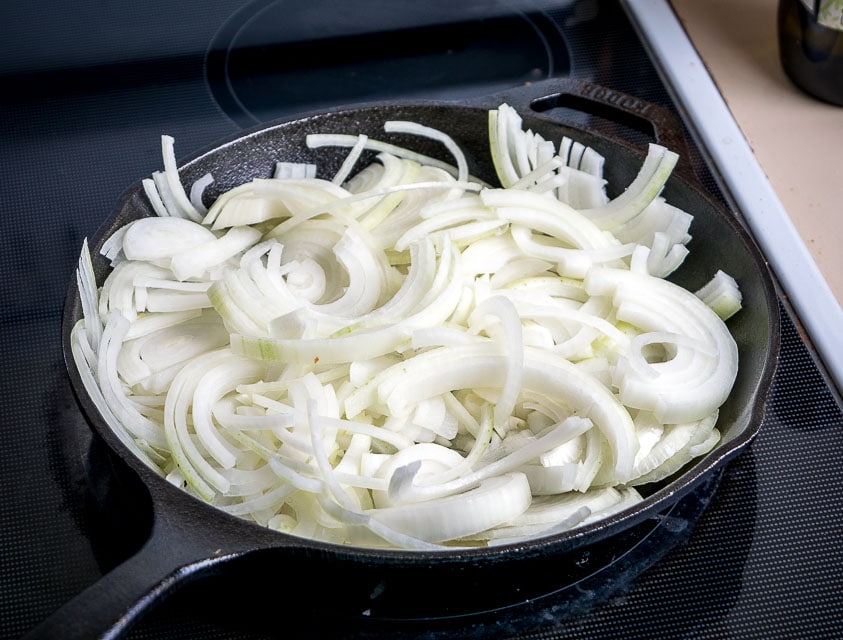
(404, 355)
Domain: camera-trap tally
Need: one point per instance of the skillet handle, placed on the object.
(171, 557)
(652, 119)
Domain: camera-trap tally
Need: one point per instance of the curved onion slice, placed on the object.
(708, 372)
(493, 502)
(153, 239)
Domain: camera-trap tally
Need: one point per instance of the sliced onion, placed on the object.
(171, 174)
(411, 357)
(495, 501)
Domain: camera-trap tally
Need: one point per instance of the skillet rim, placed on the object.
(680, 484)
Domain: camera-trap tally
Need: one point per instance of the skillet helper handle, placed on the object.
(664, 126)
(109, 607)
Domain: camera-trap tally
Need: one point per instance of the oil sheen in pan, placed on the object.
(268, 61)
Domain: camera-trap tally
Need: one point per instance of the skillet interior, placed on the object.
(719, 242)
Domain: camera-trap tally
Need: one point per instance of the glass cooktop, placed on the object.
(89, 88)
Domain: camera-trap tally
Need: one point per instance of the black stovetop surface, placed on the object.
(88, 89)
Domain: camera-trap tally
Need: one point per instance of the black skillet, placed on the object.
(189, 539)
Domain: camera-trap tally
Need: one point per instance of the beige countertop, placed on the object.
(798, 141)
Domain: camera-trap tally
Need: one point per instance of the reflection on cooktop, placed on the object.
(268, 61)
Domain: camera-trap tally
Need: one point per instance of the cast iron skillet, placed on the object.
(189, 539)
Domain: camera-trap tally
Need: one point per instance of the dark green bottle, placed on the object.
(811, 46)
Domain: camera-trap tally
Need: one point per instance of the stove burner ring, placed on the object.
(268, 62)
